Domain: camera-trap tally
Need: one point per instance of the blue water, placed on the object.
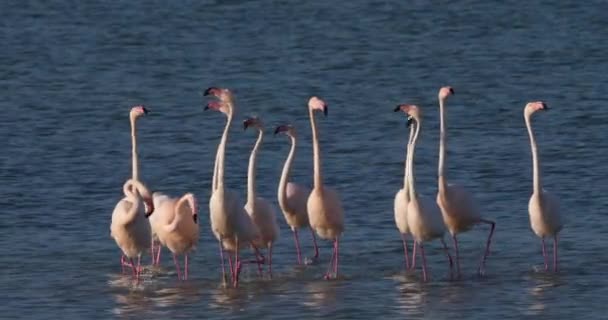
(72, 70)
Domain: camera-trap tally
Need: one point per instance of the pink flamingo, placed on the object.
(543, 207)
(325, 212)
(458, 207)
(292, 197)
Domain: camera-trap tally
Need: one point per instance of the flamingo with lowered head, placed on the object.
(292, 197)
(177, 227)
(325, 212)
(259, 209)
(402, 199)
(423, 214)
(543, 207)
(129, 227)
(458, 207)
(230, 222)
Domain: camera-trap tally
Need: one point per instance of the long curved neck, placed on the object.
(134, 159)
(285, 174)
(442, 142)
(411, 180)
(318, 179)
(129, 189)
(251, 170)
(535, 160)
(221, 151)
(406, 174)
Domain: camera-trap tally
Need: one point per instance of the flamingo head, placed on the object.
(315, 103)
(411, 110)
(149, 205)
(534, 106)
(226, 99)
(445, 92)
(287, 129)
(253, 122)
(193, 206)
(138, 111)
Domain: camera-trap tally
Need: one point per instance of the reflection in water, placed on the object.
(320, 293)
(412, 296)
(228, 297)
(540, 282)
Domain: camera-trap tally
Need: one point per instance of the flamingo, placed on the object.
(292, 197)
(423, 214)
(230, 222)
(129, 227)
(325, 212)
(458, 207)
(543, 207)
(402, 198)
(259, 209)
(177, 227)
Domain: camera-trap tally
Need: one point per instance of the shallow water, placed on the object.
(71, 71)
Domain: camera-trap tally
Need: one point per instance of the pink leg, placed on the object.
(231, 268)
(159, 249)
(407, 262)
(413, 266)
(555, 253)
(331, 262)
(314, 242)
(257, 256)
(122, 263)
(179, 276)
(447, 253)
(482, 265)
(457, 255)
(270, 260)
(133, 268)
(336, 248)
(222, 261)
(139, 268)
(297, 241)
(152, 251)
(544, 253)
(236, 264)
(424, 275)
(186, 266)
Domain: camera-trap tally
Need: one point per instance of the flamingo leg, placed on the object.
(413, 265)
(159, 249)
(257, 260)
(231, 268)
(331, 261)
(555, 253)
(544, 253)
(222, 261)
(139, 267)
(482, 265)
(424, 275)
(152, 252)
(336, 249)
(407, 262)
(314, 242)
(447, 253)
(179, 276)
(186, 266)
(236, 264)
(134, 269)
(122, 263)
(455, 240)
(297, 241)
(270, 259)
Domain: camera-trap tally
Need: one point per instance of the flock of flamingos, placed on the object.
(142, 221)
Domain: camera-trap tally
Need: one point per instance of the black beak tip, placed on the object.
(206, 107)
(397, 108)
(452, 91)
(276, 131)
(208, 91)
(195, 217)
(325, 111)
(145, 110)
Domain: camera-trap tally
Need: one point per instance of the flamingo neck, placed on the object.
(406, 173)
(442, 142)
(251, 192)
(535, 160)
(134, 158)
(412, 149)
(285, 174)
(222, 152)
(318, 179)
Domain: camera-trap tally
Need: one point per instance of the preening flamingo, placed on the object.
(458, 207)
(402, 199)
(543, 207)
(130, 228)
(230, 222)
(423, 214)
(292, 197)
(177, 227)
(325, 212)
(259, 209)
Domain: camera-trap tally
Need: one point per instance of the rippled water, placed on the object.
(71, 70)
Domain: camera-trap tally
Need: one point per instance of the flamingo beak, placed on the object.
(325, 108)
(452, 91)
(211, 91)
(247, 123)
(280, 129)
(149, 207)
(397, 108)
